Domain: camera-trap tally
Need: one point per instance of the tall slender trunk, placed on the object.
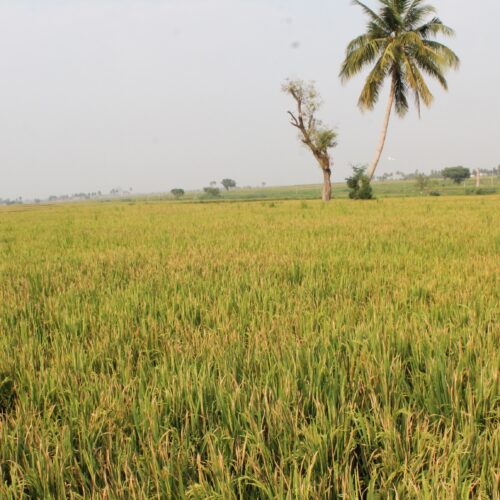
(327, 184)
(478, 178)
(378, 153)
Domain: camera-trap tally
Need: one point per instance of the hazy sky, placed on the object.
(156, 94)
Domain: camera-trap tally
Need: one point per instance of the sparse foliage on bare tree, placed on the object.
(313, 134)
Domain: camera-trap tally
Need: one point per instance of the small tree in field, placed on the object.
(177, 193)
(456, 174)
(228, 184)
(318, 138)
(359, 185)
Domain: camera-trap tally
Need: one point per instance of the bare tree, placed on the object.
(318, 138)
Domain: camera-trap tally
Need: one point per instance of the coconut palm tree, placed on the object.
(399, 44)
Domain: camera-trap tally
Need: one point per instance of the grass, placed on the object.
(264, 350)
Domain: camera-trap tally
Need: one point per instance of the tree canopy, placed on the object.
(399, 43)
(177, 192)
(456, 174)
(228, 184)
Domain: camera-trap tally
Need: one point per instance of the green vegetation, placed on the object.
(228, 184)
(359, 185)
(399, 44)
(212, 192)
(177, 193)
(381, 189)
(456, 174)
(250, 350)
(423, 182)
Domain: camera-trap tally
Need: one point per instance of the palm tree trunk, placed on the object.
(327, 184)
(378, 153)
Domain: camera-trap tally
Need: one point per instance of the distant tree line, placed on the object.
(75, 196)
(211, 191)
(8, 201)
(440, 174)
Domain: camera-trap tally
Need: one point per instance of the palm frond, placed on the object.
(433, 28)
(371, 13)
(373, 85)
(417, 83)
(391, 17)
(448, 57)
(357, 43)
(401, 6)
(365, 53)
(400, 91)
(430, 62)
(373, 30)
(416, 14)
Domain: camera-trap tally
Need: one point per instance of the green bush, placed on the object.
(359, 185)
(212, 192)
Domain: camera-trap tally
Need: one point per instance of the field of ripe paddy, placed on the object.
(250, 350)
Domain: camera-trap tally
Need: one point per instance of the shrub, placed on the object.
(359, 185)
(434, 193)
(212, 192)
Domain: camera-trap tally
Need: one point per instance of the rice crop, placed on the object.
(250, 350)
